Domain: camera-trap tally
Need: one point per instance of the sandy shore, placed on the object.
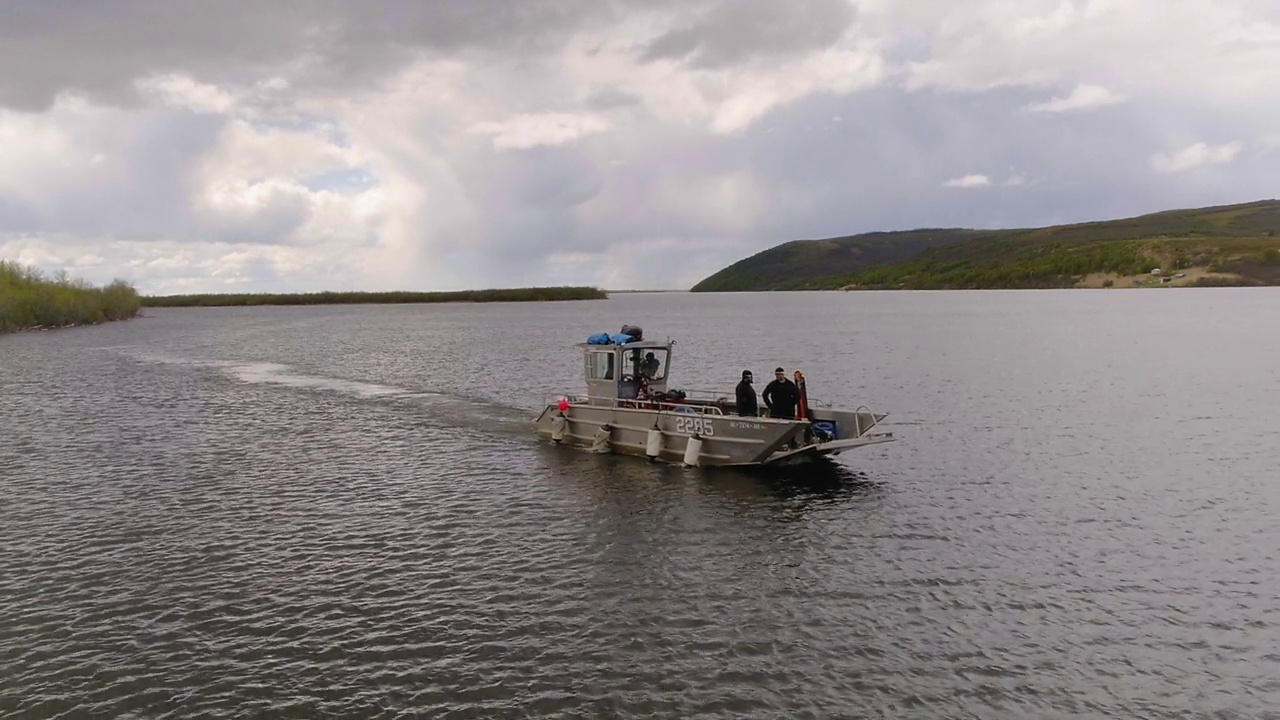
(1190, 276)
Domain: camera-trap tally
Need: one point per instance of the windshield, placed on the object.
(650, 362)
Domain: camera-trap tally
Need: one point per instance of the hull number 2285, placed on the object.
(692, 425)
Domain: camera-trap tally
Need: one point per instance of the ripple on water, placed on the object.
(334, 512)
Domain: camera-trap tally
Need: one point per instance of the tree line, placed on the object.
(1042, 266)
(29, 299)
(357, 298)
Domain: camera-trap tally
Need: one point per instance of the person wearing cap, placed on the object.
(747, 406)
(781, 396)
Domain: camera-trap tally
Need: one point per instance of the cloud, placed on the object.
(436, 144)
(172, 267)
(182, 91)
(968, 181)
(726, 99)
(607, 97)
(526, 131)
(990, 44)
(1084, 97)
(1197, 155)
(332, 47)
(737, 31)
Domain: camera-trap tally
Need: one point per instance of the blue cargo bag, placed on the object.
(598, 339)
(621, 339)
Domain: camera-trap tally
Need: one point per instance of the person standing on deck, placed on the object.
(781, 396)
(747, 406)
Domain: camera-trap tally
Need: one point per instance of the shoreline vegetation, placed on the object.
(541, 294)
(31, 301)
(1229, 245)
(1182, 262)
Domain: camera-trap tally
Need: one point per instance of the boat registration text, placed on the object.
(695, 425)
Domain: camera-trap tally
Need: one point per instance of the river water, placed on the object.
(342, 511)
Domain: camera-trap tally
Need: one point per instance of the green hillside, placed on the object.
(1225, 245)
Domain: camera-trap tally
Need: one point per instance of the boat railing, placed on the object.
(857, 420)
(688, 405)
(705, 396)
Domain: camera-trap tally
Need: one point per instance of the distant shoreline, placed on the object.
(544, 294)
(1190, 277)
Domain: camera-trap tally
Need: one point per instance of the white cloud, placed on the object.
(184, 92)
(248, 150)
(1123, 44)
(1084, 97)
(725, 99)
(968, 181)
(170, 267)
(754, 94)
(1197, 155)
(526, 131)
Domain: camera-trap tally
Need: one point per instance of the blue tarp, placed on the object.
(607, 339)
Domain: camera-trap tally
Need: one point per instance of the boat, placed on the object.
(628, 409)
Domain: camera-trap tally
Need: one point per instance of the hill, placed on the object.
(1223, 245)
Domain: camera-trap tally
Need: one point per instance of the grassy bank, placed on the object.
(354, 298)
(29, 300)
(1195, 261)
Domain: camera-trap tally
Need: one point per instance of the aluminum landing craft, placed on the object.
(628, 410)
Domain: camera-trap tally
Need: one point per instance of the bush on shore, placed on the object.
(28, 299)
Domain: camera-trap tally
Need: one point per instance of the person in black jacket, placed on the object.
(747, 406)
(781, 396)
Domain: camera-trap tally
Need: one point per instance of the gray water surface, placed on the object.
(343, 511)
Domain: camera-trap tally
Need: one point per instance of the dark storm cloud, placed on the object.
(735, 31)
(98, 47)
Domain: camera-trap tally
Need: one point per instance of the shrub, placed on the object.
(28, 299)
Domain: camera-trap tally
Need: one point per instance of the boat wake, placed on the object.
(445, 408)
(278, 374)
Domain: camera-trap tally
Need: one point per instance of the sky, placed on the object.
(303, 145)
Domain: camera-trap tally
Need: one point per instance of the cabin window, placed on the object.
(650, 362)
(600, 365)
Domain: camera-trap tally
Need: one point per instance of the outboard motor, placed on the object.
(634, 331)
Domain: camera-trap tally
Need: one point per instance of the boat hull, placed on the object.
(725, 440)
